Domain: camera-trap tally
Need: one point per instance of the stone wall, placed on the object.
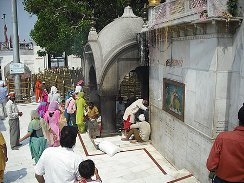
(211, 69)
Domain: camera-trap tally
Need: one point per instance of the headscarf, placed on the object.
(1, 83)
(81, 95)
(11, 94)
(141, 117)
(34, 115)
(35, 120)
(78, 89)
(80, 83)
(53, 90)
(53, 106)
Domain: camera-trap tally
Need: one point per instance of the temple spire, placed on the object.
(93, 22)
(128, 2)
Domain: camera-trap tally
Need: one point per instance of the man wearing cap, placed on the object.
(3, 100)
(141, 130)
(13, 114)
(226, 157)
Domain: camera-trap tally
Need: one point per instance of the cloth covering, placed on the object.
(226, 156)
(52, 117)
(37, 141)
(133, 108)
(59, 164)
(38, 90)
(80, 104)
(53, 96)
(144, 129)
(42, 109)
(2, 157)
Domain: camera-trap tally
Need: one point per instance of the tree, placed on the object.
(63, 25)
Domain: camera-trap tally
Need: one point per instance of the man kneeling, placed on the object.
(141, 130)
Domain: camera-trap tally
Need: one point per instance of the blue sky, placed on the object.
(25, 20)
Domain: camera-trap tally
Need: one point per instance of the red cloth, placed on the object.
(127, 123)
(80, 83)
(226, 157)
(38, 90)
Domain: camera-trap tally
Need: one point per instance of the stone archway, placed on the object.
(93, 95)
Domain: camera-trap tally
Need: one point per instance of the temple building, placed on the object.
(196, 77)
(190, 55)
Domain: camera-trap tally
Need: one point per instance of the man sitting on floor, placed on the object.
(141, 130)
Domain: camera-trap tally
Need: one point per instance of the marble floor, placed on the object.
(135, 163)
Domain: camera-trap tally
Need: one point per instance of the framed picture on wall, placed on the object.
(174, 98)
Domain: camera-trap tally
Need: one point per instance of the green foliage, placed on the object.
(232, 6)
(41, 53)
(63, 25)
(106, 11)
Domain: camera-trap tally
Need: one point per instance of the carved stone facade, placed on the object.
(207, 57)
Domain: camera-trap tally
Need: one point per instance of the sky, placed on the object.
(25, 20)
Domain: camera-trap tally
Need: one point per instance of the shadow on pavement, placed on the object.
(2, 125)
(13, 176)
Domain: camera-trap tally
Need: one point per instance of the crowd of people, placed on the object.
(55, 123)
(53, 127)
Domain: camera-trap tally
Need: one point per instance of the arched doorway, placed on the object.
(135, 84)
(93, 95)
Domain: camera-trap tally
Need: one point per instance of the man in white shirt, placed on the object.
(60, 164)
(133, 108)
(13, 116)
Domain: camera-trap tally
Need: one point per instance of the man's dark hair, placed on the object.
(91, 104)
(68, 136)
(87, 169)
(241, 116)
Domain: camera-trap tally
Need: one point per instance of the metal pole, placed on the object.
(16, 58)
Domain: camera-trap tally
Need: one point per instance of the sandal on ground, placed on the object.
(125, 139)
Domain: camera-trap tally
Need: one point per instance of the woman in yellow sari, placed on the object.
(3, 156)
(80, 105)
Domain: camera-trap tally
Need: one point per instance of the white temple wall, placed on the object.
(33, 61)
(74, 61)
(206, 71)
(237, 78)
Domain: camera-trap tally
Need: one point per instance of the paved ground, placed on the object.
(136, 163)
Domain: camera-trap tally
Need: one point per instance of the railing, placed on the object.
(24, 93)
(63, 78)
(7, 46)
(178, 11)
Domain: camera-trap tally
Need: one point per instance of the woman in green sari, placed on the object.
(80, 105)
(37, 141)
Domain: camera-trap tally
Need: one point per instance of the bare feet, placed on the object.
(133, 141)
(125, 139)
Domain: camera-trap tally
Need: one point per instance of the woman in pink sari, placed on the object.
(44, 97)
(52, 117)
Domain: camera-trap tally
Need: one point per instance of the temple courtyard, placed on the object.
(135, 163)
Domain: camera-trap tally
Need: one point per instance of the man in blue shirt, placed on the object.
(3, 100)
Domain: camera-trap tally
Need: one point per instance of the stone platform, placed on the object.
(136, 163)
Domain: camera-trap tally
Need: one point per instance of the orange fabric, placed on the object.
(226, 156)
(38, 90)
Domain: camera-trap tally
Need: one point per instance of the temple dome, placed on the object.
(118, 33)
